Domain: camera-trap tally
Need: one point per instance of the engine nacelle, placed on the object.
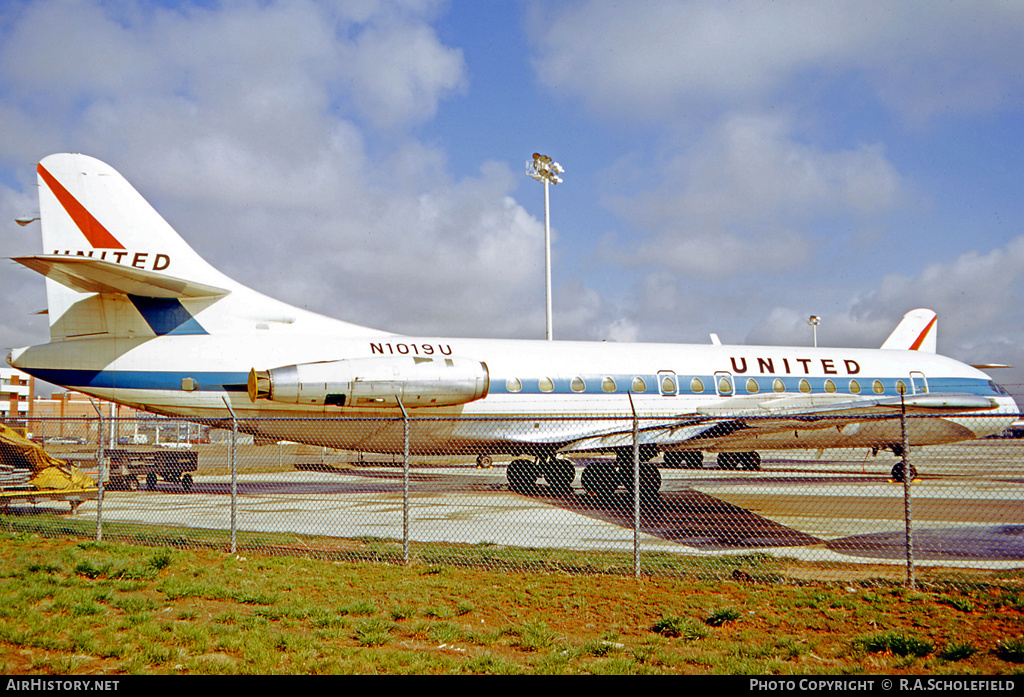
(373, 383)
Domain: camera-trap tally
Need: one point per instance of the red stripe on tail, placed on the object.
(920, 339)
(97, 235)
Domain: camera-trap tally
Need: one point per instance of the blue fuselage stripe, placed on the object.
(139, 379)
(236, 381)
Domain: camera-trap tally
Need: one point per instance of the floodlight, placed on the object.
(544, 169)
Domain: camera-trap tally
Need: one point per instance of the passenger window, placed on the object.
(513, 385)
(830, 386)
(901, 387)
(724, 386)
(608, 384)
(668, 385)
(778, 385)
(577, 384)
(854, 387)
(877, 387)
(752, 385)
(546, 385)
(696, 385)
(805, 387)
(639, 385)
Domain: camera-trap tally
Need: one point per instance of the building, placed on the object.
(75, 418)
(17, 390)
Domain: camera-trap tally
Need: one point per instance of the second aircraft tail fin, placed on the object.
(916, 332)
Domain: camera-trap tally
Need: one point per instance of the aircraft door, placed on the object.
(918, 382)
(668, 384)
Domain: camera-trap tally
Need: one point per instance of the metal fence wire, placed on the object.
(417, 491)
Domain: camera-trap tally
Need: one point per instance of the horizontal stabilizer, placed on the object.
(88, 275)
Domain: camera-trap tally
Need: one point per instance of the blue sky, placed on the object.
(730, 167)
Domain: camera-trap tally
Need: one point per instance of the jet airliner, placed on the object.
(137, 317)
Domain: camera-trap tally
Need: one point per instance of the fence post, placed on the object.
(234, 477)
(907, 476)
(636, 488)
(100, 472)
(405, 485)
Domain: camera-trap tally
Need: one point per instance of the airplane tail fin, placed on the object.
(916, 332)
(115, 267)
(105, 246)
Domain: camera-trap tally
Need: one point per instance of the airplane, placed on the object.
(137, 317)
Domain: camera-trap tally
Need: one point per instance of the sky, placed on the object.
(730, 167)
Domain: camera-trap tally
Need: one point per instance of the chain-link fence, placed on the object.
(425, 490)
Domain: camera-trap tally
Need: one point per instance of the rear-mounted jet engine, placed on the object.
(373, 383)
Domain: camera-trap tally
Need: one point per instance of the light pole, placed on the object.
(814, 321)
(544, 170)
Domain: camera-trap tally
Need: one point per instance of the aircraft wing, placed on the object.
(755, 415)
(89, 275)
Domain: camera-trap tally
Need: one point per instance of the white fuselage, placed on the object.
(193, 377)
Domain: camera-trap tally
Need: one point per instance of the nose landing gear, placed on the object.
(899, 471)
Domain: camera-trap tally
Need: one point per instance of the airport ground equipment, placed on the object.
(28, 474)
(128, 467)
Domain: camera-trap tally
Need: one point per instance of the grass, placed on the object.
(84, 607)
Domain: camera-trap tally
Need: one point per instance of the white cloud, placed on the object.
(743, 198)
(647, 60)
(400, 73)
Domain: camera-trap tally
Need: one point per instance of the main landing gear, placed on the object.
(694, 460)
(736, 461)
(684, 459)
(603, 478)
(558, 473)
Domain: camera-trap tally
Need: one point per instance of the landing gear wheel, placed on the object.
(900, 468)
(559, 475)
(650, 480)
(735, 461)
(751, 461)
(522, 476)
(186, 482)
(484, 461)
(685, 459)
(599, 480)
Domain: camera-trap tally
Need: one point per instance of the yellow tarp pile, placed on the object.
(48, 472)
